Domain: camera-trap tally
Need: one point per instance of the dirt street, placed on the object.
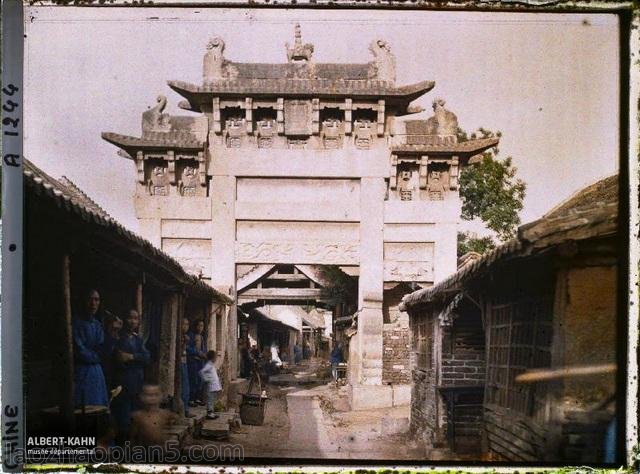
(334, 431)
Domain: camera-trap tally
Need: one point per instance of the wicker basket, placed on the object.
(253, 405)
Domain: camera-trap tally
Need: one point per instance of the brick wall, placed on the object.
(396, 344)
(396, 339)
(463, 352)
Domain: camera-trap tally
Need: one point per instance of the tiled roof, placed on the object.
(81, 198)
(291, 87)
(287, 70)
(604, 191)
(178, 140)
(427, 294)
(73, 201)
(578, 219)
(468, 147)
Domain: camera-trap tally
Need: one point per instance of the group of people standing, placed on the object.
(110, 359)
(109, 353)
(199, 376)
(269, 358)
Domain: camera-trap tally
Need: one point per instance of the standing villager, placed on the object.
(246, 364)
(209, 374)
(112, 325)
(184, 368)
(275, 356)
(196, 358)
(132, 357)
(297, 353)
(88, 337)
(336, 358)
(306, 350)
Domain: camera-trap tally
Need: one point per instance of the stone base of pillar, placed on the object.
(367, 397)
(401, 394)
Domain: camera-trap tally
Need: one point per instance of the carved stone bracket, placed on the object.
(172, 166)
(140, 166)
(280, 115)
(380, 118)
(315, 116)
(348, 117)
(202, 168)
(248, 107)
(424, 160)
(454, 171)
(217, 126)
(393, 174)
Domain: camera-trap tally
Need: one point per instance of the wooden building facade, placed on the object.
(545, 300)
(73, 246)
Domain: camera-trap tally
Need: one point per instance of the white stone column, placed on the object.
(223, 274)
(366, 374)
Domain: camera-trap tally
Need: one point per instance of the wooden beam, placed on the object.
(287, 276)
(282, 293)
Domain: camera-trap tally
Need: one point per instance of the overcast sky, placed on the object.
(548, 82)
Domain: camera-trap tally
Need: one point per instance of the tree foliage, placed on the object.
(490, 190)
(467, 242)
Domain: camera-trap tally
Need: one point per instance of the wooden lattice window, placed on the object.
(423, 343)
(519, 339)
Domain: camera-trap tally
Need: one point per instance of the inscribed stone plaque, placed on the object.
(408, 261)
(297, 117)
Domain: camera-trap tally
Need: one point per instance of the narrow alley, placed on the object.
(307, 416)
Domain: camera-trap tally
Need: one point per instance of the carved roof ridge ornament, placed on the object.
(300, 52)
(213, 62)
(384, 60)
(154, 119)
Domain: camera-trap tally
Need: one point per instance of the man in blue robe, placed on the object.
(88, 337)
(132, 357)
(184, 370)
(196, 358)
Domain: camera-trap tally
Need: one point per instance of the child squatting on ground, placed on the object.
(209, 375)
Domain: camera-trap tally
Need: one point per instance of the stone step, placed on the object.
(215, 429)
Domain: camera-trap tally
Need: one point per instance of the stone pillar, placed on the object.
(223, 274)
(366, 374)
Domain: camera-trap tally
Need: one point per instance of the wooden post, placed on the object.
(67, 407)
(177, 310)
(139, 289)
